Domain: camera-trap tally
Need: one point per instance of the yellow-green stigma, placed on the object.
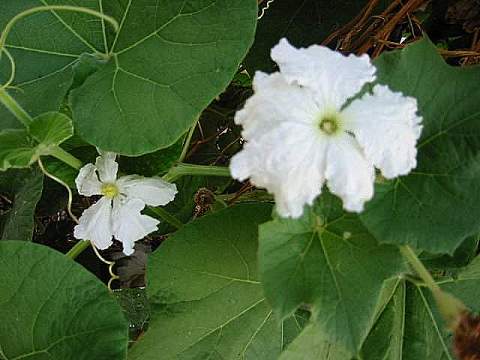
(329, 125)
(109, 190)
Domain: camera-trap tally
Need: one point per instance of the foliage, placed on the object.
(158, 82)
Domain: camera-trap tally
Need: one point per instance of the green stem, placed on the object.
(11, 23)
(419, 268)
(15, 108)
(66, 157)
(165, 215)
(182, 169)
(448, 305)
(79, 247)
(186, 144)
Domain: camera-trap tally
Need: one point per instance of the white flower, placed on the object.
(117, 213)
(301, 131)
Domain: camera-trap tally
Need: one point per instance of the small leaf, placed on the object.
(16, 149)
(51, 129)
(53, 308)
(437, 205)
(24, 190)
(206, 301)
(328, 260)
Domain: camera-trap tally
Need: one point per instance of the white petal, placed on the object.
(152, 191)
(87, 181)
(349, 175)
(387, 127)
(332, 76)
(274, 102)
(95, 224)
(288, 161)
(107, 167)
(129, 225)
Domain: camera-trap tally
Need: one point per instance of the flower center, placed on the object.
(110, 190)
(329, 125)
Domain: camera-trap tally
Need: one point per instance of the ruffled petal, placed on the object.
(107, 167)
(152, 191)
(87, 181)
(387, 128)
(332, 76)
(349, 175)
(95, 224)
(129, 225)
(275, 102)
(288, 161)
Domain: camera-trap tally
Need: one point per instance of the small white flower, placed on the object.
(301, 131)
(117, 213)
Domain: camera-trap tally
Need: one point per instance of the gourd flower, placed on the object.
(118, 212)
(306, 125)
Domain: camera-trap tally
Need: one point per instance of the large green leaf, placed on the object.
(166, 64)
(435, 207)
(52, 308)
(328, 260)
(410, 326)
(206, 300)
(23, 188)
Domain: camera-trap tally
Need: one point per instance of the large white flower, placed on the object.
(301, 130)
(118, 213)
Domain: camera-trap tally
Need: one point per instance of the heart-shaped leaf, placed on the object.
(168, 61)
(53, 308)
(437, 206)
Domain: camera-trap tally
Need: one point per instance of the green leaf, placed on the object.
(44, 52)
(310, 344)
(206, 300)
(410, 326)
(53, 308)
(51, 129)
(16, 149)
(303, 23)
(435, 207)
(23, 188)
(169, 60)
(328, 260)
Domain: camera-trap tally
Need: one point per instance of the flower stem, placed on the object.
(182, 169)
(165, 215)
(186, 144)
(66, 157)
(419, 268)
(15, 108)
(448, 305)
(79, 247)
